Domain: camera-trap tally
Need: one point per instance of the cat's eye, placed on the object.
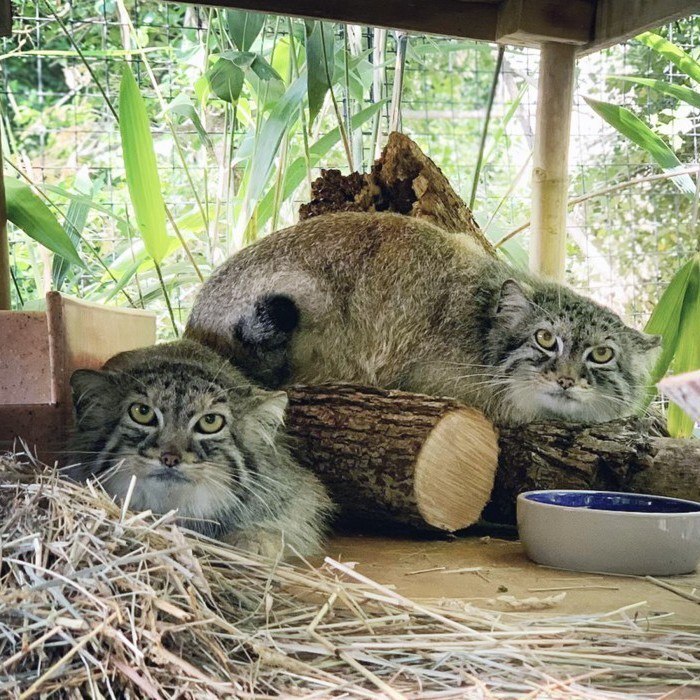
(601, 354)
(546, 339)
(210, 423)
(142, 414)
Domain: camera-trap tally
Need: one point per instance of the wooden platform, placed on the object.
(504, 570)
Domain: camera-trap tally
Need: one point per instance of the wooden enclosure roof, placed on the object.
(588, 24)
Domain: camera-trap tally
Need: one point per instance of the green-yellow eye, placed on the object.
(210, 423)
(602, 354)
(142, 414)
(546, 339)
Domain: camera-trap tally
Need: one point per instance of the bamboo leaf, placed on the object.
(280, 119)
(296, 171)
(74, 223)
(666, 319)
(687, 359)
(244, 27)
(182, 106)
(320, 64)
(29, 213)
(681, 92)
(637, 131)
(141, 169)
(225, 79)
(685, 63)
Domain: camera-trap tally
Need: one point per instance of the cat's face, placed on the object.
(562, 357)
(186, 429)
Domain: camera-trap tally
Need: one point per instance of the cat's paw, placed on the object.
(266, 543)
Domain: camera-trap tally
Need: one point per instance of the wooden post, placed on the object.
(551, 160)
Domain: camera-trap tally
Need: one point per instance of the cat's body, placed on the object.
(200, 438)
(391, 301)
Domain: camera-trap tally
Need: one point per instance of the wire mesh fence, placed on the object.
(60, 86)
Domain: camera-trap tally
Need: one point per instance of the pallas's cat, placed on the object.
(199, 438)
(392, 301)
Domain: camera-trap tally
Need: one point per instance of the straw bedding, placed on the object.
(97, 602)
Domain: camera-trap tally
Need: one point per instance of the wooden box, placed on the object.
(39, 351)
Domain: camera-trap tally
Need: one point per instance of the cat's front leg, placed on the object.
(265, 542)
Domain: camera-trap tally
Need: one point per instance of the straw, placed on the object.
(96, 602)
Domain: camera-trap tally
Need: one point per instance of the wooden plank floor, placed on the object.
(506, 571)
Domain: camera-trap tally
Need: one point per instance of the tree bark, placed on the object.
(403, 180)
(394, 458)
(391, 457)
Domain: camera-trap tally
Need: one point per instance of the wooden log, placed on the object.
(392, 457)
(402, 180)
(623, 455)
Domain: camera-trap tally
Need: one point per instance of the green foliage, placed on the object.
(141, 169)
(244, 27)
(677, 319)
(676, 316)
(28, 212)
(636, 130)
(320, 62)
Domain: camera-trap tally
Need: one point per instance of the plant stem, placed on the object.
(485, 130)
(397, 92)
(167, 298)
(378, 83)
(338, 115)
(304, 132)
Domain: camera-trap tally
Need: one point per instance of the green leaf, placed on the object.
(686, 94)
(320, 64)
(665, 319)
(687, 359)
(182, 106)
(225, 79)
(244, 27)
(28, 212)
(141, 169)
(76, 218)
(296, 171)
(636, 130)
(280, 120)
(685, 63)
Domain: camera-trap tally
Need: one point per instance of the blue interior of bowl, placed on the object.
(621, 502)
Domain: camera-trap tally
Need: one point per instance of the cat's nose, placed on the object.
(170, 459)
(565, 382)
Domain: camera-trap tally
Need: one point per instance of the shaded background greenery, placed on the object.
(225, 185)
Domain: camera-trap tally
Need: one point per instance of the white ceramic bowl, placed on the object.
(604, 531)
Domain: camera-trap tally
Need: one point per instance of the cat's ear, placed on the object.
(512, 300)
(93, 395)
(265, 414)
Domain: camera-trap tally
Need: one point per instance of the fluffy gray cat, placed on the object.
(199, 438)
(392, 301)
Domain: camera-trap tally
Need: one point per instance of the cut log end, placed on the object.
(455, 470)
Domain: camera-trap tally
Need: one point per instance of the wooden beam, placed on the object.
(550, 177)
(5, 18)
(619, 20)
(531, 22)
(471, 20)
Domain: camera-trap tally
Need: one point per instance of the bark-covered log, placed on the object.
(622, 455)
(408, 459)
(403, 180)
(392, 457)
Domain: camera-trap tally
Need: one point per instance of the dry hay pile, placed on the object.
(99, 603)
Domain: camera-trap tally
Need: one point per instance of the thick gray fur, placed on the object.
(396, 302)
(241, 484)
